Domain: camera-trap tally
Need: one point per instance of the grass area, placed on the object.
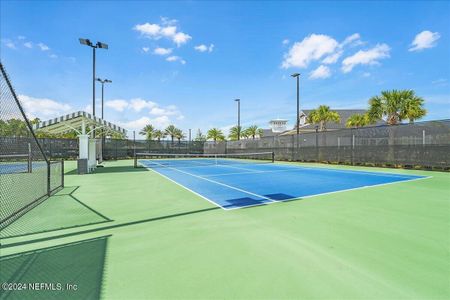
(137, 235)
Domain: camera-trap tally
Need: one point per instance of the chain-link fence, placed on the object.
(423, 144)
(27, 177)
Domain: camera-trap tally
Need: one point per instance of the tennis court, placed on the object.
(242, 180)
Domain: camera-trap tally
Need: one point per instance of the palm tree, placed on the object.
(179, 134)
(148, 131)
(254, 131)
(159, 134)
(322, 115)
(396, 105)
(215, 134)
(171, 130)
(235, 132)
(413, 108)
(358, 120)
(200, 137)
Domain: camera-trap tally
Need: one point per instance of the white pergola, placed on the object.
(79, 122)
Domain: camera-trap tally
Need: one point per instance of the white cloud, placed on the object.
(118, 104)
(43, 108)
(424, 40)
(166, 29)
(366, 57)
(181, 38)
(145, 49)
(10, 44)
(366, 74)
(320, 73)
(285, 42)
(21, 37)
(311, 48)
(43, 47)
(333, 58)
(137, 124)
(160, 116)
(174, 58)
(204, 48)
(53, 56)
(354, 39)
(162, 51)
(28, 45)
(138, 104)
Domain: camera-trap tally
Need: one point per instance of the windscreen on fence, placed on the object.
(27, 176)
(425, 144)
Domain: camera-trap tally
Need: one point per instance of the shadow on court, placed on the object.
(81, 263)
(177, 215)
(111, 169)
(61, 211)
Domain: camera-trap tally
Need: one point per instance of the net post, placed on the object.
(273, 156)
(48, 179)
(62, 172)
(30, 164)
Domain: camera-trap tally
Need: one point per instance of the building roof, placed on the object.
(74, 120)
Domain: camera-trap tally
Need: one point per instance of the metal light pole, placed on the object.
(103, 81)
(100, 45)
(239, 118)
(297, 75)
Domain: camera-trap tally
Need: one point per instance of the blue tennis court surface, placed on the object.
(233, 185)
(19, 167)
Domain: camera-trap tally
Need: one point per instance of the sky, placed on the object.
(184, 63)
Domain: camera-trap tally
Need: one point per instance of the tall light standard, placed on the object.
(103, 81)
(100, 45)
(239, 118)
(297, 75)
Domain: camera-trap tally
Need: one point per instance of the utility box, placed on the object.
(82, 166)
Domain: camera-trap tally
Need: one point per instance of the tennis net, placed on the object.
(155, 160)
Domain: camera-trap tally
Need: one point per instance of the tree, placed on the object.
(148, 131)
(413, 108)
(357, 120)
(200, 137)
(254, 131)
(215, 134)
(179, 134)
(396, 105)
(159, 134)
(235, 131)
(171, 131)
(322, 115)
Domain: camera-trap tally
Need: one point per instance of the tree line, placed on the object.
(214, 134)
(392, 107)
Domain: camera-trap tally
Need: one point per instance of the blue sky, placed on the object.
(185, 62)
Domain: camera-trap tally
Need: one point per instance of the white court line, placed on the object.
(284, 200)
(219, 183)
(251, 172)
(353, 189)
(354, 171)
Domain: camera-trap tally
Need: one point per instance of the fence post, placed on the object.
(48, 178)
(30, 159)
(423, 137)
